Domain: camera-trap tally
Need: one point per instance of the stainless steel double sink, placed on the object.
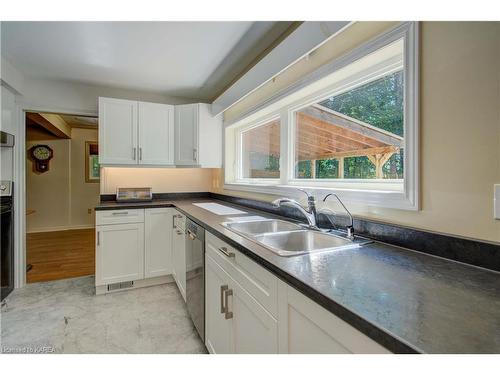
(288, 239)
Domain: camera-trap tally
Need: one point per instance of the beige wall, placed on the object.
(61, 197)
(162, 180)
(460, 131)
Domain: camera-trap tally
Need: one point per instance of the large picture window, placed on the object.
(260, 151)
(357, 134)
(353, 131)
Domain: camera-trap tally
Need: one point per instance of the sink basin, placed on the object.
(261, 226)
(302, 242)
(287, 239)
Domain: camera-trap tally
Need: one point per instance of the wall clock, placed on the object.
(41, 155)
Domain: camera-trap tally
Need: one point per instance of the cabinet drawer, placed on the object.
(121, 216)
(257, 281)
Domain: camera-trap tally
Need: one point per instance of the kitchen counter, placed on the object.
(407, 301)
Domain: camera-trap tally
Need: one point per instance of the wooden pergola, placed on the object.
(323, 134)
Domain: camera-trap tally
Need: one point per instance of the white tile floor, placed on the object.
(67, 317)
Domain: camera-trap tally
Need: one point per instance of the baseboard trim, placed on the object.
(59, 229)
(103, 289)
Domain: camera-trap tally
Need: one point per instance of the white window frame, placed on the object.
(381, 193)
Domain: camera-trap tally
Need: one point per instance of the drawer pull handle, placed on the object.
(227, 314)
(223, 288)
(226, 252)
(120, 213)
(179, 232)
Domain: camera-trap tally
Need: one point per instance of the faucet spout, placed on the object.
(309, 213)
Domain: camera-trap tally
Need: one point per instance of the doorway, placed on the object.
(62, 189)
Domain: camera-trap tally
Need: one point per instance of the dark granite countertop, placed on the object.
(406, 300)
(114, 205)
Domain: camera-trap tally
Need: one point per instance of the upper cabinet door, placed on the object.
(186, 134)
(156, 134)
(117, 131)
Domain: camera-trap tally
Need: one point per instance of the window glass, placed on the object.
(260, 151)
(357, 134)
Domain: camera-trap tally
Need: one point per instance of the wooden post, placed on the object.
(341, 167)
(313, 168)
(379, 160)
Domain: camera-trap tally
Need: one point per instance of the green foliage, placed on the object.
(378, 103)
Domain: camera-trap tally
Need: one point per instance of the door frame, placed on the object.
(19, 177)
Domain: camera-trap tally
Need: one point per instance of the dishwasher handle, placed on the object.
(191, 234)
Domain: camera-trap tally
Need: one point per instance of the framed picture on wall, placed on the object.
(92, 171)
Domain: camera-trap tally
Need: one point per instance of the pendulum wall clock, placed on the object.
(41, 155)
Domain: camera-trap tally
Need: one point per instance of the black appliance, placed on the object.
(7, 234)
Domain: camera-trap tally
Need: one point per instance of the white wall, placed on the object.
(61, 96)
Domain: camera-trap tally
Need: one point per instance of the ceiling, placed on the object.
(187, 59)
(85, 122)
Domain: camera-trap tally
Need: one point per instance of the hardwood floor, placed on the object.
(60, 255)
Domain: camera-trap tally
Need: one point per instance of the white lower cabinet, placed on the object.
(157, 251)
(119, 253)
(179, 252)
(133, 245)
(248, 310)
(306, 327)
(255, 331)
(217, 327)
(235, 321)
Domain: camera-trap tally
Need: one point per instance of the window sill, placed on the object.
(378, 198)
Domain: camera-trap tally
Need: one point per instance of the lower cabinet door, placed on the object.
(235, 321)
(307, 328)
(218, 327)
(179, 260)
(255, 331)
(158, 242)
(119, 253)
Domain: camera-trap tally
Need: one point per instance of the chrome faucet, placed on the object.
(309, 212)
(350, 227)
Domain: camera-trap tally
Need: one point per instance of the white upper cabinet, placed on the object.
(186, 134)
(198, 136)
(156, 134)
(139, 133)
(117, 131)
(132, 133)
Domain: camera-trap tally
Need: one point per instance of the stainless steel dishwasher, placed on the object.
(195, 275)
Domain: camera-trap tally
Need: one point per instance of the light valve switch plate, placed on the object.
(496, 202)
